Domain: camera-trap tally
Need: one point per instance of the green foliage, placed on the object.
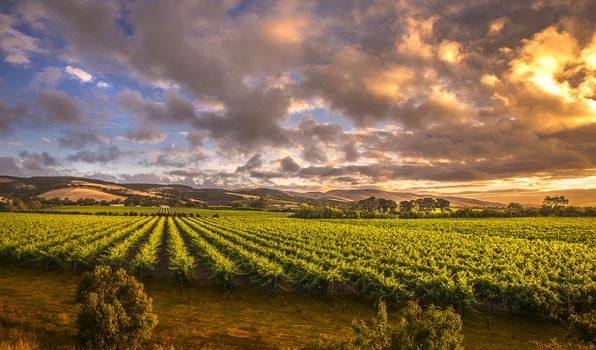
(377, 337)
(115, 313)
(583, 326)
(431, 329)
(181, 264)
(537, 266)
(374, 209)
(555, 201)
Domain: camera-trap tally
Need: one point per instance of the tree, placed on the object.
(376, 338)
(406, 206)
(555, 201)
(514, 206)
(116, 313)
(20, 205)
(443, 204)
(426, 204)
(35, 205)
(432, 328)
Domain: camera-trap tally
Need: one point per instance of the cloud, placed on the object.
(174, 156)
(146, 134)
(551, 83)
(11, 116)
(252, 163)
(103, 85)
(48, 78)
(16, 45)
(78, 139)
(250, 121)
(412, 91)
(289, 165)
(29, 164)
(11, 143)
(58, 107)
(450, 51)
(497, 25)
(102, 155)
(79, 74)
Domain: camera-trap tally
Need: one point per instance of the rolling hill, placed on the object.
(74, 188)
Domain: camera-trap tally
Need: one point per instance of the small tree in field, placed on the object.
(116, 313)
(432, 329)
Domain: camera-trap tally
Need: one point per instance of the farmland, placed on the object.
(122, 210)
(538, 266)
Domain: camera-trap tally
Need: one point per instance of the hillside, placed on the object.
(75, 188)
(76, 193)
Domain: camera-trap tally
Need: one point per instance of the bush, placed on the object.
(116, 313)
(432, 329)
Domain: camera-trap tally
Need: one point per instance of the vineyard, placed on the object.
(134, 211)
(540, 266)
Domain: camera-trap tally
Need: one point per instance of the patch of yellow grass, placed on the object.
(76, 193)
(103, 186)
(111, 187)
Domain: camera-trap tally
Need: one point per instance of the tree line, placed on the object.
(428, 207)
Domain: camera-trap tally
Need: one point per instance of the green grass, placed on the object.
(39, 306)
(148, 210)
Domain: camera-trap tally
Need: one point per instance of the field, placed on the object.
(95, 209)
(538, 267)
(74, 194)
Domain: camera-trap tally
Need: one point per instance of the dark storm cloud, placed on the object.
(289, 165)
(252, 163)
(249, 121)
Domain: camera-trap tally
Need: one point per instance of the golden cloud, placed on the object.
(551, 83)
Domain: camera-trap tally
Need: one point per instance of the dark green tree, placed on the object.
(555, 201)
(443, 204)
(115, 313)
(406, 206)
(426, 204)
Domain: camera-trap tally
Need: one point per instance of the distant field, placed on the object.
(152, 210)
(538, 265)
(77, 193)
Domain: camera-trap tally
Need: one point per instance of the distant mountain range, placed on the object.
(74, 188)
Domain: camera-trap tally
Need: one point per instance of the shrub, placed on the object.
(376, 338)
(116, 313)
(432, 328)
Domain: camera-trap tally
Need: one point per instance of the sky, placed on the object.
(437, 96)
